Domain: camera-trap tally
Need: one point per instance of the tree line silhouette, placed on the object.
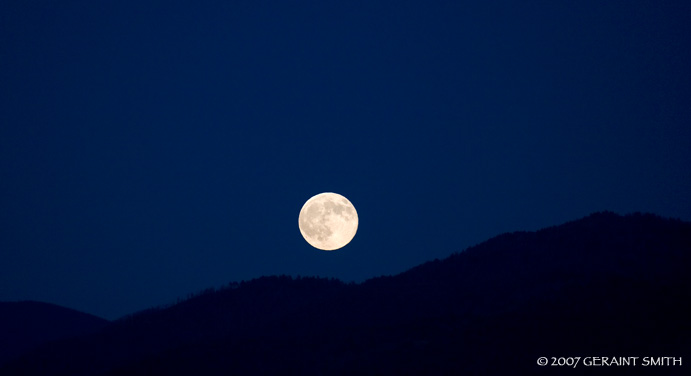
(604, 285)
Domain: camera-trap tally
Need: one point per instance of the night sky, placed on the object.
(152, 149)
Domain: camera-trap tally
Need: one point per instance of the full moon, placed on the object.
(328, 221)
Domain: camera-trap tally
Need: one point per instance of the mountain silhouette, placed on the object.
(27, 324)
(602, 286)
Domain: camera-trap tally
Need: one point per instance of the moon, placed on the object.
(328, 221)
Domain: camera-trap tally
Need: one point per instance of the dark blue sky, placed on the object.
(149, 149)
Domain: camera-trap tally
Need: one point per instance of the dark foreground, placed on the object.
(602, 291)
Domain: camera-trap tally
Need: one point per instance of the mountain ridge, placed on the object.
(26, 324)
(605, 275)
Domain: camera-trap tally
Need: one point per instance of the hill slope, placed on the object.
(27, 324)
(605, 285)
